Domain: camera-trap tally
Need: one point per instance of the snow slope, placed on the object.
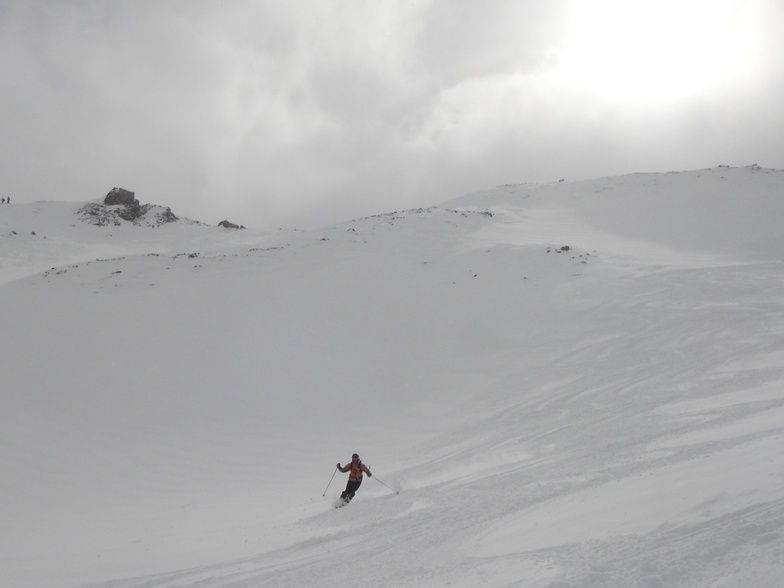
(570, 384)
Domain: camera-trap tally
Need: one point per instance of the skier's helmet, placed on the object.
(355, 456)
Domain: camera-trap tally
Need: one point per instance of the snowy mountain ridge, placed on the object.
(569, 384)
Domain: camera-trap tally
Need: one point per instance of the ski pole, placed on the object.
(382, 483)
(330, 481)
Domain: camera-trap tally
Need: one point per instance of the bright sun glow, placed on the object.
(661, 51)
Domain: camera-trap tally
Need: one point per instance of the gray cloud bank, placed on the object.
(280, 113)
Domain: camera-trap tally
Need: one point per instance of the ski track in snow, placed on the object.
(610, 414)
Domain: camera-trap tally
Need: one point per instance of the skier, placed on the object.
(354, 478)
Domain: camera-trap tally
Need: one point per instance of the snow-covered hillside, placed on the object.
(571, 384)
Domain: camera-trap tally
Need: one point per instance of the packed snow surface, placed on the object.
(563, 385)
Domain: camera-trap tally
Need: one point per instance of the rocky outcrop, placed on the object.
(121, 205)
(227, 225)
(128, 207)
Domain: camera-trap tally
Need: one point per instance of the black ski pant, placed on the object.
(351, 489)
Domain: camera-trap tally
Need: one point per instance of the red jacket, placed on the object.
(356, 467)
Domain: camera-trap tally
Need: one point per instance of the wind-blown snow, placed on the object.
(570, 384)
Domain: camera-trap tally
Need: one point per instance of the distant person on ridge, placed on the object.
(354, 478)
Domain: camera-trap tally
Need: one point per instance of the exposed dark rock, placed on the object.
(167, 216)
(227, 225)
(130, 212)
(120, 196)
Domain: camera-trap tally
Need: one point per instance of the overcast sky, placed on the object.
(303, 113)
